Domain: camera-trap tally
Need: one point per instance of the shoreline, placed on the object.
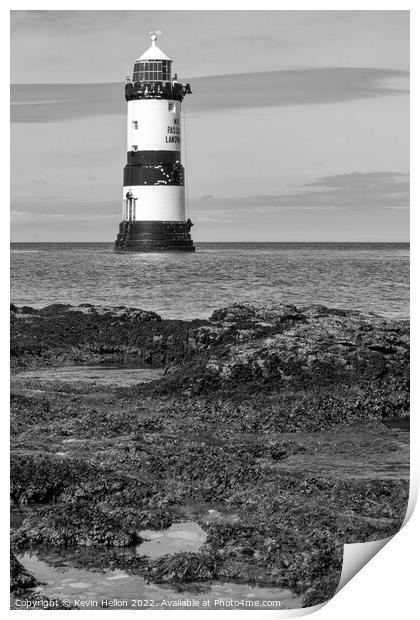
(205, 315)
(274, 414)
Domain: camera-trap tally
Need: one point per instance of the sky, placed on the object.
(297, 128)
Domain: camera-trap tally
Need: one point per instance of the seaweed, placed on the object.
(262, 430)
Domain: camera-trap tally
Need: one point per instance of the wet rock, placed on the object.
(47, 478)
(63, 335)
(83, 524)
(307, 367)
(20, 579)
(111, 312)
(183, 567)
(271, 314)
(210, 433)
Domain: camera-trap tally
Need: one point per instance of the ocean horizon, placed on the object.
(365, 276)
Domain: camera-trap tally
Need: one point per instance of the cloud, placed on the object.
(345, 207)
(371, 190)
(380, 189)
(366, 181)
(345, 192)
(44, 103)
(40, 103)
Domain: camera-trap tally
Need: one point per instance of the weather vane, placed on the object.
(154, 34)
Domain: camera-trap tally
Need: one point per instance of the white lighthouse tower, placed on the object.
(153, 210)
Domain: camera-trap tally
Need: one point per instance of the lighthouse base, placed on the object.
(153, 237)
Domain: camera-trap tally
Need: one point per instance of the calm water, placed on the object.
(373, 277)
(60, 579)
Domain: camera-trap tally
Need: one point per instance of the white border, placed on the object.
(387, 586)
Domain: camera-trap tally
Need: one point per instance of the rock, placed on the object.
(183, 567)
(313, 365)
(211, 432)
(65, 335)
(269, 313)
(119, 312)
(20, 579)
(85, 524)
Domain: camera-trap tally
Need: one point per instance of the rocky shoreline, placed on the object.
(272, 427)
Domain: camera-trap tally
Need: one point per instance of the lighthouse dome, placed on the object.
(153, 65)
(153, 52)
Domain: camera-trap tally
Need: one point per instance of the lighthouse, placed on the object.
(153, 202)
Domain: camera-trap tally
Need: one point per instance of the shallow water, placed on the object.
(93, 588)
(372, 277)
(96, 375)
(183, 536)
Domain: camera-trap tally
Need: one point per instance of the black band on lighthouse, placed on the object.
(158, 174)
(136, 158)
(156, 90)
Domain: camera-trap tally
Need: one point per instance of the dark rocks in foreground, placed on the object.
(243, 342)
(62, 334)
(271, 413)
(308, 368)
(20, 579)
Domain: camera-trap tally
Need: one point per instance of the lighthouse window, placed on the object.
(136, 75)
(153, 71)
(166, 70)
(135, 147)
(135, 124)
(172, 106)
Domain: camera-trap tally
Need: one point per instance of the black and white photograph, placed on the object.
(209, 305)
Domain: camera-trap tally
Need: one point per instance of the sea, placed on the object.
(371, 277)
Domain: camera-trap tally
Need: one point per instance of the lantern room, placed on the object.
(152, 66)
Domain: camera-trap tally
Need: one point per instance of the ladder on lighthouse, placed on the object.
(130, 211)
